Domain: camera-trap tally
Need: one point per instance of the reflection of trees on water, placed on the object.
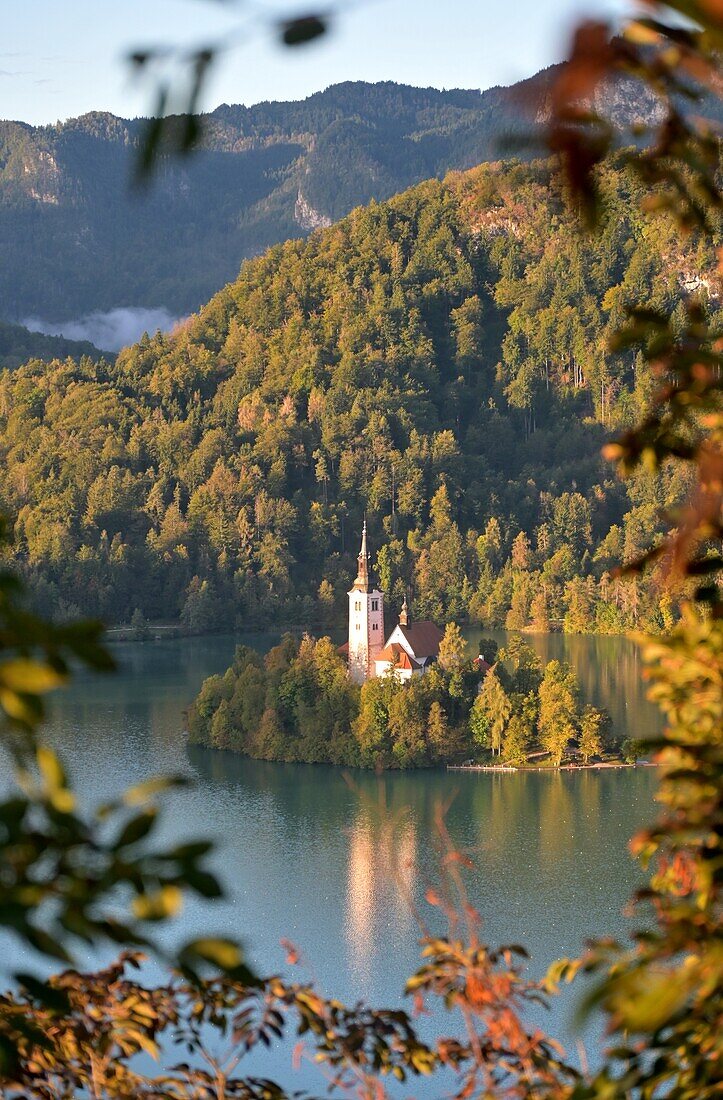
(556, 821)
(309, 857)
(549, 848)
(608, 669)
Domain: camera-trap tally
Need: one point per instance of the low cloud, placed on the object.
(109, 331)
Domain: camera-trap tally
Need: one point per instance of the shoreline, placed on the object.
(602, 766)
(161, 631)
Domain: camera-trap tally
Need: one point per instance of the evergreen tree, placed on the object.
(494, 706)
(591, 742)
(453, 650)
(438, 733)
(139, 626)
(558, 711)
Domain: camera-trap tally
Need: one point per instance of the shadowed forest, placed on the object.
(439, 362)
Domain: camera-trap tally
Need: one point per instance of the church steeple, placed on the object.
(405, 616)
(366, 619)
(361, 584)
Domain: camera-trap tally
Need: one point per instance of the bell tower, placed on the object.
(366, 620)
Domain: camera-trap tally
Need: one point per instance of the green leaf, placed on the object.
(8, 1057)
(45, 943)
(135, 829)
(191, 851)
(203, 882)
(297, 32)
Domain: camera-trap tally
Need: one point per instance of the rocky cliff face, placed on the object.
(307, 216)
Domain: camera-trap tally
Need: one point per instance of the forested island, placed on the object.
(298, 704)
(438, 362)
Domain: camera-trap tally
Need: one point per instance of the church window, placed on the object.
(375, 626)
(375, 605)
(358, 626)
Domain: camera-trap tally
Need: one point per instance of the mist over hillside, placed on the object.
(110, 330)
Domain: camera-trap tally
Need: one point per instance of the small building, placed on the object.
(395, 659)
(410, 648)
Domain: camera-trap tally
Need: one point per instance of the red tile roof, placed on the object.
(397, 656)
(423, 637)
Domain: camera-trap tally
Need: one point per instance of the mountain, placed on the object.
(75, 237)
(18, 344)
(438, 362)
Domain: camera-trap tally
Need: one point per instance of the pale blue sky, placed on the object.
(59, 58)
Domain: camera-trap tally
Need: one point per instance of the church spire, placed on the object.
(362, 578)
(405, 618)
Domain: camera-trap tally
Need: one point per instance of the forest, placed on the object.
(77, 234)
(18, 344)
(297, 704)
(438, 362)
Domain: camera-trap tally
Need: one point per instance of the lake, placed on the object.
(325, 861)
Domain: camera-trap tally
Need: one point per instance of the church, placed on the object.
(410, 648)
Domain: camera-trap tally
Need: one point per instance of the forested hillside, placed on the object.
(437, 362)
(75, 237)
(18, 344)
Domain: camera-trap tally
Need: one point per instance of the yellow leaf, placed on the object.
(640, 34)
(221, 952)
(162, 903)
(30, 677)
(143, 792)
(16, 707)
(142, 1041)
(51, 768)
(63, 800)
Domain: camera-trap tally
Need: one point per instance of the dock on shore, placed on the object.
(600, 766)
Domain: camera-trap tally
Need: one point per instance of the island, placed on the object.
(415, 699)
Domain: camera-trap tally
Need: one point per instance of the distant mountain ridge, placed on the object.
(74, 238)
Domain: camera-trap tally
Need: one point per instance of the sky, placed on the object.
(60, 58)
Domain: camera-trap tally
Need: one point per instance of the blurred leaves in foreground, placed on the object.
(662, 996)
(174, 126)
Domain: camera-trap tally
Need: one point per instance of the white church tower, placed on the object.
(366, 620)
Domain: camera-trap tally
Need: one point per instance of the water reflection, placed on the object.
(381, 877)
(309, 857)
(550, 849)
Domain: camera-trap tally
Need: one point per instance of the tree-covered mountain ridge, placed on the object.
(75, 237)
(18, 344)
(438, 362)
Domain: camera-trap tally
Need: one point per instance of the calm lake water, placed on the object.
(323, 861)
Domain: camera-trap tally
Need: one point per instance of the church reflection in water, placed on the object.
(381, 881)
